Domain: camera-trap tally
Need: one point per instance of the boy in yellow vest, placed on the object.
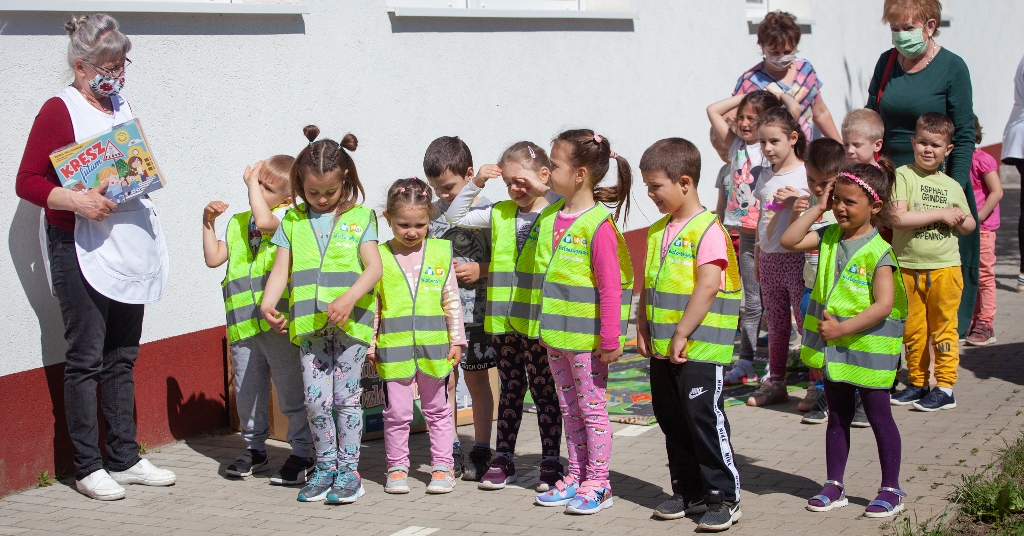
(687, 320)
(257, 351)
(931, 211)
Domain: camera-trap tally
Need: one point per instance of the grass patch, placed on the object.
(989, 502)
(43, 479)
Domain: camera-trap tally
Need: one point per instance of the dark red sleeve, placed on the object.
(36, 177)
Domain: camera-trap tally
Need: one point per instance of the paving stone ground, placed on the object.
(781, 462)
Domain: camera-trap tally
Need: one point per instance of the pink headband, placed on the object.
(871, 191)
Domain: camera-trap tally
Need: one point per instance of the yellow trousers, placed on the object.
(933, 297)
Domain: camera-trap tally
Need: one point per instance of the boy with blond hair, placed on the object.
(863, 130)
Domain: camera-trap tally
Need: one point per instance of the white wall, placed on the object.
(216, 92)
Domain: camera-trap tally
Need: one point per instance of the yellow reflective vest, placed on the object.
(868, 358)
(555, 296)
(317, 280)
(245, 279)
(669, 282)
(413, 333)
(501, 273)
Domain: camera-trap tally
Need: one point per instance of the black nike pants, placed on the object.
(690, 409)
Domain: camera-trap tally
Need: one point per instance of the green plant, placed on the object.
(922, 468)
(974, 451)
(965, 435)
(143, 449)
(43, 479)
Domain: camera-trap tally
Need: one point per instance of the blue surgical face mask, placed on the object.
(911, 43)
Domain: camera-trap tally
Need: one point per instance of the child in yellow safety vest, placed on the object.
(573, 291)
(257, 352)
(853, 330)
(522, 361)
(418, 335)
(689, 311)
(327, 248)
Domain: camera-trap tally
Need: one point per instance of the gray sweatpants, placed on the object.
(750, 319)
(255, 359)
(332, 365)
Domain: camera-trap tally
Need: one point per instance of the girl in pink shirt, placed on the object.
(579, 160)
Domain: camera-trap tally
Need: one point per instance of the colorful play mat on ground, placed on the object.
(629, 389)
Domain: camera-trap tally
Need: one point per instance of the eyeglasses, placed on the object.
(115, 73)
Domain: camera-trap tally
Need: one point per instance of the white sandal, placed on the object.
(829, 504)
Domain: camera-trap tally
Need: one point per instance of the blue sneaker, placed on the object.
(591, 499)
(935, 400)
(319, 484)
(348, 486)
(563, 491)
(908, 396)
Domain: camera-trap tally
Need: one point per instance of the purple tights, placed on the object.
(841, 407)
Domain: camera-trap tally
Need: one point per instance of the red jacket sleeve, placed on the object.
(51, 130)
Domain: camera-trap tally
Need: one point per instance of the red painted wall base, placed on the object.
(179, 392)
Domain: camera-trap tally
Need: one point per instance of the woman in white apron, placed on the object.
(106, 262)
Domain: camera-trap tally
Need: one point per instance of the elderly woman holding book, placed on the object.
(106, 261)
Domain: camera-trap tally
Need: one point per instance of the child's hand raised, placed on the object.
(825, 201)
(530, 186)
(486, 172)
(455, 355)
(252, 173)
(786, 196)
(274, 318)
(214, 209)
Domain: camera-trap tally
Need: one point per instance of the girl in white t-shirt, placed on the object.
(741, 209)
(780, 272)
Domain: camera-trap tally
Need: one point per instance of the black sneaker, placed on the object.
(819, 414)
(720, 514)
(295, 470)
(460, 460)
(247, 463)
(908, 396)
(860, 419)
(678, 507)
(479, 462)
(935, 400)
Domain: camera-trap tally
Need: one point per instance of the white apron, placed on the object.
(123, 257)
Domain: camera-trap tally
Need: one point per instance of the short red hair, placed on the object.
(916, 10)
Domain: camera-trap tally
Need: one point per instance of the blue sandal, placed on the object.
(890, 510)
(829, 504)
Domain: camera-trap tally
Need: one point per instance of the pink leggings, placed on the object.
(782, 287)
(580, 381)
(436, 411)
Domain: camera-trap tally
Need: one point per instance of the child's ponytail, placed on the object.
(590, 150)
(781, 118)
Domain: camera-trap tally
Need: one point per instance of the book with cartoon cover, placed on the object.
(120, 158)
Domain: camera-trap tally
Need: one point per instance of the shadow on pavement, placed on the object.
(997, 361)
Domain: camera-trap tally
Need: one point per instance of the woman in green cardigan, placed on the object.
(924, 77)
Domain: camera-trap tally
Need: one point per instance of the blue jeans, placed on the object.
(805, 301)
(103, 343)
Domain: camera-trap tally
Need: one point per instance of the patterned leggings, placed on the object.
(782, 288)
(522, 364)
(581, 380)
(330, 375)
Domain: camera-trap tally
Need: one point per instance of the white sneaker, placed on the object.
(100, 486)
(144, 473)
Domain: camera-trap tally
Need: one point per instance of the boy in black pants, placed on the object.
(688, 315)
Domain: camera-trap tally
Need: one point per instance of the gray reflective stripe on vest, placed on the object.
(868, 360)
(313, 276)
(713, 335)
(525, 280)
(498, 309)
(305, 277)
(501, 279)
(815, 309)
(401, 324)
(310, 307)
(571, 293)
(667, 300)
(662, 330)
(887, 327)
(570, 324)
(813, 341)
(400, 354)
(243, 314)
(246, 284)
(523, 310)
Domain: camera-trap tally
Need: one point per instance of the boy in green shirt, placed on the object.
(931, 209)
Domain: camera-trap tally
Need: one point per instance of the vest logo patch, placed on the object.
(435, 271)
(575, 240)
(856, 279)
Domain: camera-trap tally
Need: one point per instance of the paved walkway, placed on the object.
(781, 461)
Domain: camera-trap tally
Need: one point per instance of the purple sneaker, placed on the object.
(500, 472)
(550, 472)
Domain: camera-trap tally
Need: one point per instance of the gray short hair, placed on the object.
(96, 39)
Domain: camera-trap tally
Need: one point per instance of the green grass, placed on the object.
(988, 502)
(43, 479)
